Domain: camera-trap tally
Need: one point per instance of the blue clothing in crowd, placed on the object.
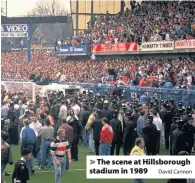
(28, 136)
(143, 99)
(4, 111)
(168, 85)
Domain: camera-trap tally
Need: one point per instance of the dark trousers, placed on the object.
(112, 148)
(74, 149)
(170, 147)
(13, 135)
(97, 144)
(158, 142)
(127, 148)
(150, 149)
(167, 132)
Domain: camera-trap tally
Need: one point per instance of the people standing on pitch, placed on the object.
(28, 140)
(130, 134)
(106, 137)
(47, 135)
(158, 122)
(97, 127)
(69, 136)
(83, 117)
(150, 135)
(21, 171)
(6, 153)
(90, 130)
(141, 123)
(63, 111)
(59, 147)
(73, 121)
(138, 151)
(118, 136)
(167, 120)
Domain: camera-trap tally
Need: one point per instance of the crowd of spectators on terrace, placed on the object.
(45, 66)
(146, 21)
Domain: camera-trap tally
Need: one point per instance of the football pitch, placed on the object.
(76, 174)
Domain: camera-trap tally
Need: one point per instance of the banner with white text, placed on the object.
(185, 44)
(140, 167)
(158, 46)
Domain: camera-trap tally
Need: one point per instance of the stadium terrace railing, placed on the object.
(131, 92)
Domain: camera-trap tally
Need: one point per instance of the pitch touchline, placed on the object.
(53, 171)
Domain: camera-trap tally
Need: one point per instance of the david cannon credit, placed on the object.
(175, 171)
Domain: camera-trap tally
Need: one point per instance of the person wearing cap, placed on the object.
(106, 137)
(167, 120)
(129, 135)
(118, 136)
(150, 134)
(178, 142)
(21, 171)
(105, 112)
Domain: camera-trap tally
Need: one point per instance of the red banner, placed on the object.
(185, 44)
(119, 47)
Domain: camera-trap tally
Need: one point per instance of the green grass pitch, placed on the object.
(77, 173)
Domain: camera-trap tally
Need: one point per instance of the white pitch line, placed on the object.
(36, 171)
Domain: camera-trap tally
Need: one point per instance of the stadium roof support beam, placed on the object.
(27, 20)
(77, 17)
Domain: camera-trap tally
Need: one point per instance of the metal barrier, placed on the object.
(132, 92)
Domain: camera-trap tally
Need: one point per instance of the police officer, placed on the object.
(105, 112)
(173, 127)
(150, 135)
(118, 135)
(178, 142)
(130, 134)
(168, 117)
(21, 173)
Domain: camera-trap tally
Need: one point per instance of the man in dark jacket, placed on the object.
(21, 173)
(83, 117)
(6, 153)
(97, 127)
(55, 113)
(106, 113)
(178, 142)
(117, 138)
(13, 125)
(150, 135)
(130, 134)
(73, 121)
(168, 119)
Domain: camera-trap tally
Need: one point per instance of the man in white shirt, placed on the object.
(158, 122)
(76, 108)
(35, 125)
(63, 111)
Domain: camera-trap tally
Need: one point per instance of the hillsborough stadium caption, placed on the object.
(97, 91)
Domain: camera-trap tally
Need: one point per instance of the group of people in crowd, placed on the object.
(50, 129)
(146, 21)
(178, 72)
